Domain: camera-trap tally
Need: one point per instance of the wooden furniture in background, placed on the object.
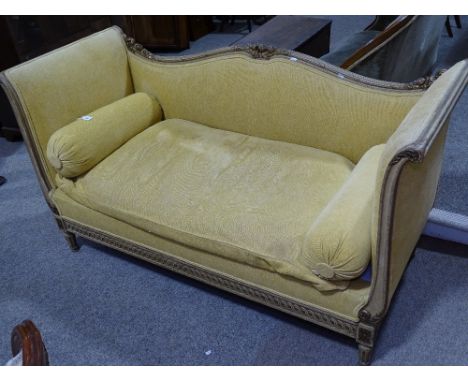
(403, 51)
(200, 26)
(159, 32)
(32, 36)
(27, 339)
(304, 34)
(9, 56)
(249, 20)
(165, 32)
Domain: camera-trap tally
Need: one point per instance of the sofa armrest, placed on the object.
(54, 89)
(338, 244)
(407, 181)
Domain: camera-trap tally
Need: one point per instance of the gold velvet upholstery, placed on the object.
(275, 176)
(72, 150)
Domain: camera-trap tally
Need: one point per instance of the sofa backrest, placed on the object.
(54, 89)
(280, 98)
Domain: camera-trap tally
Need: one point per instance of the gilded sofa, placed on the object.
(266, 173)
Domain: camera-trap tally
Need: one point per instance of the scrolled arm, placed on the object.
(408, 174)
(53, 90)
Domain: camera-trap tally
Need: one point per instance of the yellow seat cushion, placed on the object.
(242, 197)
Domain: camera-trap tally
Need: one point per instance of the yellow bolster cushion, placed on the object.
(81, 145)
(338, 243)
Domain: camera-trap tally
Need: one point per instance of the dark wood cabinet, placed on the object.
(165, 32)
(199, 26)
(159, 32)
(9, 55)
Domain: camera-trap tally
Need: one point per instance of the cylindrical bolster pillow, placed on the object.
(338, 243)
(79, 146)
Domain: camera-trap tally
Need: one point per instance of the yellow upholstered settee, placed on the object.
(267, 173)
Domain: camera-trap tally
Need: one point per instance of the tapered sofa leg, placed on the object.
(69, 236)
(365, 355)
(366, 335)
(71, 240)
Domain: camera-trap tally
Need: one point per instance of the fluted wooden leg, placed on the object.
(71, 240)
(366, 335)
(365, 355)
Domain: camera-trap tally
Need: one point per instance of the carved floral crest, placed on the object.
(136, 48)
(259, 51)
(425, 82)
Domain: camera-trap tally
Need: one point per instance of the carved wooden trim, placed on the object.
(424, 83)
(366, 334)
(136, 48)
(261, 51)
(266, 297)
(410, 154)
(266, 52)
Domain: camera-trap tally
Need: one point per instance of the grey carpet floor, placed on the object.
(98, 307)
(453, 186)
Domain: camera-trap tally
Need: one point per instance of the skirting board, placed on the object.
(447, 226)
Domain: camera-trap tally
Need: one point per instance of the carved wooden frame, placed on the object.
(220, 280)
(267, 52)
(370, 317)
